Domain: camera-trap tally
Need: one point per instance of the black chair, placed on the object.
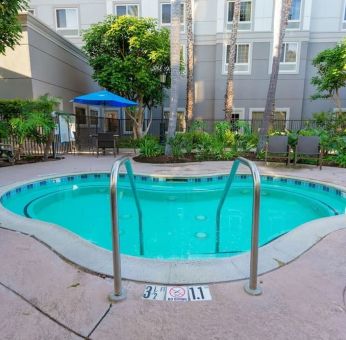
(6, 152)
(107, 140)
(277, 146)
(308, 147)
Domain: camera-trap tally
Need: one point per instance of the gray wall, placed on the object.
(89, 12)
(321, 25)
(50, 64)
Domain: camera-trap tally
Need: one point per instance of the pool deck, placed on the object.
(44, 297)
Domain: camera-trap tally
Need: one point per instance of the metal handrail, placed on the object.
(119, 292)
(250, 287)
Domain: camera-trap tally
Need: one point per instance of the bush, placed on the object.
(128, 142)
(197, 125)
(224, 133)
(11, 108)
(28, 119)
(150, 147)
(246, 140)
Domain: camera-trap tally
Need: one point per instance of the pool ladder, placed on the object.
(251, 286)
(119, 292)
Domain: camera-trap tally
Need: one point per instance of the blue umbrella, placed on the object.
(104, 98)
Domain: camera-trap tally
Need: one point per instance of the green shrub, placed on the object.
(10, 108)
(28, 119)
(224, 134)
(150, 147)
(246, 140)
(182, 143)
(128, 142)
(197, 125)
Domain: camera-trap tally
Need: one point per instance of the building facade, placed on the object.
(44, 62)
(313, 26)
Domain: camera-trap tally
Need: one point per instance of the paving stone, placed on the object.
(20, 321)
(73, 297)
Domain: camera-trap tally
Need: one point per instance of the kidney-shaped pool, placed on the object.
(179, 214)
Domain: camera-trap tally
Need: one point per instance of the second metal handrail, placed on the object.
(119, 293)
(250, 287)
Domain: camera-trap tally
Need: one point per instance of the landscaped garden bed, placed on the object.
(28, 160)
(229, 141)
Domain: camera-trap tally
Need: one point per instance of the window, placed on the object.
(166, 15)
(344, 18)
(336, 110)
(294, 15)
(279, 121)
(67, 21)
(128, 9)
(242, 58)
(181, 122)
(237, 115)
(93, 116)
(31, 11)
(288, 58)
(111, 121)
(244, 15)
(80, 115)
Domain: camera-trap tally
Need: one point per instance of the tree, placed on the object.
(229, 96)
(175, 72)
(331, 73)
(128, 55)
(10, 28)
(189, 63)
(46, 122)
(282, 9)
(28, 119)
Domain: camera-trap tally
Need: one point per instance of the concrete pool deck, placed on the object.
(44, 297)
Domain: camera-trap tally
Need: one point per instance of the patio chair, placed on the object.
(6, 152)
(308, 147)
(106, 140)
(277, 146)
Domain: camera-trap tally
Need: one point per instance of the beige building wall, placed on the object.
(15, 71)
(44, 62)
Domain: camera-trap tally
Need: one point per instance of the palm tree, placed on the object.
(282, 9)
(175, 72)
(189, 63)
(229, 96)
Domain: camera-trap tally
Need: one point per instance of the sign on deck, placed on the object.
(176, 293)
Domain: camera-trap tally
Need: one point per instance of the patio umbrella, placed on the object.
(104, 98)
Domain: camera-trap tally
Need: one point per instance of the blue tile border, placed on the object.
(269, 180)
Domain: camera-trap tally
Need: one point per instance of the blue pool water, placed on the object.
(178, 214)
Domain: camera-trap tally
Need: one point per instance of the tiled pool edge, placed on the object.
(98, 260)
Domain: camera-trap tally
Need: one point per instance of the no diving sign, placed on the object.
(177, 293)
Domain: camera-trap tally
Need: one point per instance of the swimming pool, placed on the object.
(178, 213)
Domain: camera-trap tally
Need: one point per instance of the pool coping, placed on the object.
(98, 260)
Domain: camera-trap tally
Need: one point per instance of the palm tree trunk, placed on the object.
(282, 9)
(175, 72)
(189, 63)
(229, 96)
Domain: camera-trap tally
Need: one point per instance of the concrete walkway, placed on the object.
(44, 297)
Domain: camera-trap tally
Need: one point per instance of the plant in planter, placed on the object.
(150, 147)
(245, 139)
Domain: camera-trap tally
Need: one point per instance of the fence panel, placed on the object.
(77, 134)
